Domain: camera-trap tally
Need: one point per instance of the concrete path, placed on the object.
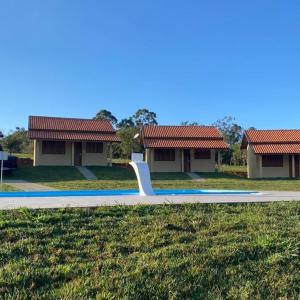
(194, 176)
(93, 201)
(27, 186)
(87, 174)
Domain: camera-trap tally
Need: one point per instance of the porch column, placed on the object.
(219, 161)
(151, 157)
(35, 152)
(260, 166)
(110, 154)
(147, 156)
(72, 154)
(182, 160)
(293, 166)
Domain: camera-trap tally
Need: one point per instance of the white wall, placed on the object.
(255, 169)
(197, 165)
(163, 166)
(278, 171)
(94, 159)
(41, 159)
(88, 159)
(203, 165)
(253, 164)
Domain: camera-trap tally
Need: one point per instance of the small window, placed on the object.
(94, 147)
(201, 154)
(272, 161)
(53, 147)
(164, 155)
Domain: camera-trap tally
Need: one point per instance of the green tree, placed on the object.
(106, 115)
(188, 123)
(238, 156)
(125, 123)
(18, 142)
(127, 129)
(144, 117)
(232, 133)
(128, 143)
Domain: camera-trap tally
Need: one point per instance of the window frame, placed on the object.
(92, 147)
(276, 161)
(164, 155)
(202, 154)
(53, 147)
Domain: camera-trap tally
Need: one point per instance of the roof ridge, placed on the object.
(272, 130)
(179, 126)
(79, 119)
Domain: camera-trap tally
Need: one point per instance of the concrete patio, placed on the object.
(94, 201)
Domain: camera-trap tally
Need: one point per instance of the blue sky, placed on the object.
(185, 60)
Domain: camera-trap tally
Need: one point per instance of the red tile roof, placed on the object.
(273, 136)
(272, 141)
(199, 132)
(71, 129)
(69, 124)
(276, 148)
(189, 144)
(197, 137)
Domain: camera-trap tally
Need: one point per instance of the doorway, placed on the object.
(78, 154)
(187, 160)
(296, 167)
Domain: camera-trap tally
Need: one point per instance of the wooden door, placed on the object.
(187, 160)
(77, 154)
(297, 171)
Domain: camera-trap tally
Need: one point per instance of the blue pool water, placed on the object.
(121, 193)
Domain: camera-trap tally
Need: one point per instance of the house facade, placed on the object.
(272, 153)
(182, 148)
(71, 142)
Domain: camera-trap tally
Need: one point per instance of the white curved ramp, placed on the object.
(142, 173)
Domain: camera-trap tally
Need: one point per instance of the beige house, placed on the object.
(272, 153)
(182, 148)
(71, 142)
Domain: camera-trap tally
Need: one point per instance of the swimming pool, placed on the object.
(157, 192)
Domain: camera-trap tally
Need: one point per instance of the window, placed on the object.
(272, 161)
(94, 147)
(164, 154)
(201, 154)
(53, 147)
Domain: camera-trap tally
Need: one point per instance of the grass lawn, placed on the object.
(120, 161)
(23, 155)
(45, 174)
(229, 168)
(6, 188)
(152, 252)
(122, 178)
(181, 181)
(113, 173)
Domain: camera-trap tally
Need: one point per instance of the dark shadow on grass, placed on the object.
(46, 174)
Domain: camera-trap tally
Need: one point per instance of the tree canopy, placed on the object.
(231, 131)
(104, 114)
(190, 123)
(17, 141)
(144, 117)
